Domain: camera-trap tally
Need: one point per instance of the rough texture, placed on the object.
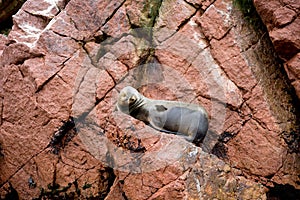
(283, 22)
(64, 62)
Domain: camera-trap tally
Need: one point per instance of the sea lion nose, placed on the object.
(123, 98)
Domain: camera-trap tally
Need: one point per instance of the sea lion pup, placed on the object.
(187, 120)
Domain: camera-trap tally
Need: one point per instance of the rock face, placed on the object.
(64, 62)
(283, 23)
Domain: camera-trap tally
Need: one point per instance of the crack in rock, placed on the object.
(63, 136)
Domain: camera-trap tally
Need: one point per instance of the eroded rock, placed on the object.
(69, 60)
(283, 23)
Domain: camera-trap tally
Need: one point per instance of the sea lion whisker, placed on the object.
(137, 104)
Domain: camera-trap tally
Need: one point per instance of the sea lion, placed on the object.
(187, 120)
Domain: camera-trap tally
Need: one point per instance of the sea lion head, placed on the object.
(129, 99)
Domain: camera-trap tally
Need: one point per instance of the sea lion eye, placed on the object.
(132, 99)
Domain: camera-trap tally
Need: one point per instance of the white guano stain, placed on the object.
(31, 33)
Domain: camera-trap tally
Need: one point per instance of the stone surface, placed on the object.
(250, 158)
(170, 19)
(190, 177)
(29, 25)
(283, 23)
(123, 22)
(218, 12)
(283, 16)
(64, 63)
(292, 68)
(203, 4)
(3, 40)
(142, 13)
(286, 41)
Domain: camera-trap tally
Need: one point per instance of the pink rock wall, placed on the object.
(283, 23)
(64, 62)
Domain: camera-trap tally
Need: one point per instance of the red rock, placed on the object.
(283, 16)
(55, 44)
(134, 188)
(92, 185)
(216, 85)
(173, 190)
(292, 67)
(20, 114)
(45, 162)
(255, 145)
(177, 49)
(260, 109)
(44, 166)
(56, 98)
(129, 50)
(179, 185)
(177, 56)
(156, 91)
(84, 98)
(72, 68)
(43, 68)
(63, 61)
(64, 25)
(116, 194)
(172, 15)
(3, 41)
(291, 164)
(285, 40)
(123, 24)
(14, 105)
(176, 17)
(7, 168)
(115, 68)
(77, 10)
(93, 49)
(32, 19)
(26, 33)
(180, 50)
(266, 10)
(204, 4)
(215, 21)
(46, 9)
(232, 62)
(15, 54)
(104, 84)
(142, 13)
(233, 122)
(292, 3)
(20, 181)
(134, 10)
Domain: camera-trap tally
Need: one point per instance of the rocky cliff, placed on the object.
(64, 63)
(283, 23)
